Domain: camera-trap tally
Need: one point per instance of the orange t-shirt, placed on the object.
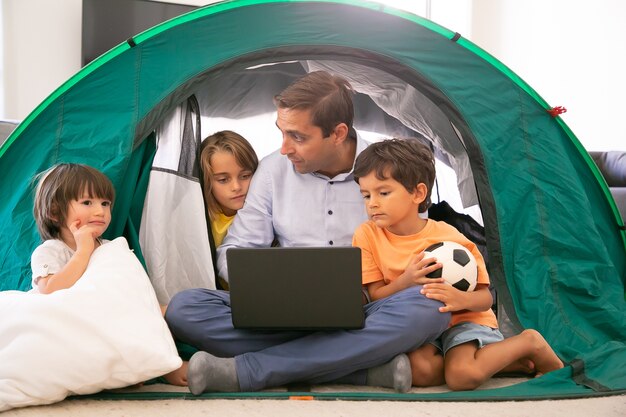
(384, 256)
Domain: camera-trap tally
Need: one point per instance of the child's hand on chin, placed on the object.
(84, 237)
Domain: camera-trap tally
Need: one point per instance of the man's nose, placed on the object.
(287, 146)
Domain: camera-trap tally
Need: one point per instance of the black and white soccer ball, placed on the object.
(459, 265)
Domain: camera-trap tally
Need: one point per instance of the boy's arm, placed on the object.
(414, 274)
(379, 289)
(455, 300)
(478, 300)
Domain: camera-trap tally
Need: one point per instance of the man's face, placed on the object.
(304, 144)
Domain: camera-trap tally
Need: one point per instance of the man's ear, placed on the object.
(420, 192)
(341, 133)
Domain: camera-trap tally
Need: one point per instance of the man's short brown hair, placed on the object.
(328, 98)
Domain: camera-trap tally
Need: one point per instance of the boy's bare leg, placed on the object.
(544, 358)
(522, 366)
(426, 366)
(466, 367)
(179, 376)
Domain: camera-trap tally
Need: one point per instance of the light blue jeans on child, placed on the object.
(396, 324)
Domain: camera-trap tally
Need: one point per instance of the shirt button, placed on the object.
(330, 242)
(330, 212)
(331, 182)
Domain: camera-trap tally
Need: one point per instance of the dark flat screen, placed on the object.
(107, 23)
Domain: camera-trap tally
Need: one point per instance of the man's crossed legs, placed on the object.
(245, 360)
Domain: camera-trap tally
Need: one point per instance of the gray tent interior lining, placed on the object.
(384, 104)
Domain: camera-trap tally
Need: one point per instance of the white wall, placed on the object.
(41, 42)
(570, 51)
(42, 49)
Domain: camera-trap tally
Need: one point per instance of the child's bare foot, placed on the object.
(543, 356)
(179, 376)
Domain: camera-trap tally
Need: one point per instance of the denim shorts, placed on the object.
(467, 332)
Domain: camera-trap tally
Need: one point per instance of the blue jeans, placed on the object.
(396, 324)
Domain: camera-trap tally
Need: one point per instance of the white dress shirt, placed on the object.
(295, 209)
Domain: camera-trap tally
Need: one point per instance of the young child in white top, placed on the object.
(72, 210)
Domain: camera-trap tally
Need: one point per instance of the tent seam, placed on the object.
(59, 130)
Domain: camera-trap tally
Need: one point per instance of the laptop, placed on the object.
(302, 288)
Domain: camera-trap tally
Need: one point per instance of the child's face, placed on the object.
(230, 182)
(89, 211)
(390, 205)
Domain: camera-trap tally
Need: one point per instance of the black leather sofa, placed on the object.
(612, 165)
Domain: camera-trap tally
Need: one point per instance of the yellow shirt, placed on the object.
(385, 256)
(219, 227)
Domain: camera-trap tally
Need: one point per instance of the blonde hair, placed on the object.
(224, 141)
(61, 184)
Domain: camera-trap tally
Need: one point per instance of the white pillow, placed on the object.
(105, 332)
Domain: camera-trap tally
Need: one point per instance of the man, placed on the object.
(303, 195)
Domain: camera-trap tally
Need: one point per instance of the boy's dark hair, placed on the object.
(328, 97)
(61, 184)
(407, 161)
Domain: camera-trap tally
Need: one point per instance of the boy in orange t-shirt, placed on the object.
(396, 177)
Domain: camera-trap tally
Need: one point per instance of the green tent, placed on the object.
(555, 238)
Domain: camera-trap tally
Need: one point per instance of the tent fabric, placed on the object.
(173, 234)
(557, 254)
(399, 99)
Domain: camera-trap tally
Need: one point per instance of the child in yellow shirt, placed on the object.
(227, 161)
(396, 178)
